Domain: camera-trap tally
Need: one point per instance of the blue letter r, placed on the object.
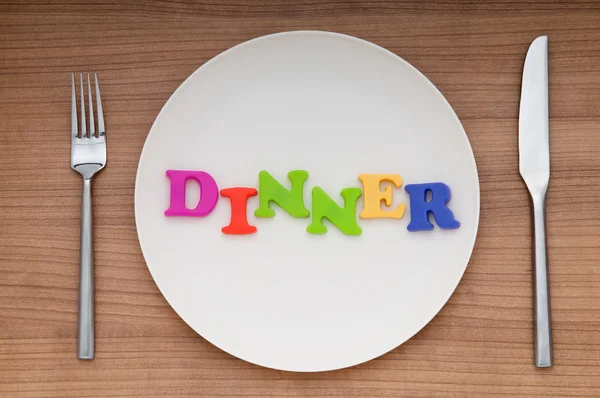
(420, 207)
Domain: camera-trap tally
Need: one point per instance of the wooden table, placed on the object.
(479, 344)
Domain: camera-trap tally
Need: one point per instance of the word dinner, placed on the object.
(323, 206)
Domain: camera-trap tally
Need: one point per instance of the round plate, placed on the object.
(335, 106)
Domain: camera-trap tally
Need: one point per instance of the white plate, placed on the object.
(335, 106)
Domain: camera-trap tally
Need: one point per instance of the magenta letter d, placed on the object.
(209, 193)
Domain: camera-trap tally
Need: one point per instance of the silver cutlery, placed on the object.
(534, 165)
(88, 156)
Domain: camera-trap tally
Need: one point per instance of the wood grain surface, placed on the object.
(480, 344)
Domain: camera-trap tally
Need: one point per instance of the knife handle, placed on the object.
(542, 323)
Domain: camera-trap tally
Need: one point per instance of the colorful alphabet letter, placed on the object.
(209, 193)
(420, 207)
(373, 196)
(289, 200)
(344, 218)
(239, 223)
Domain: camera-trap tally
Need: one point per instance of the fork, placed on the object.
(88, 156)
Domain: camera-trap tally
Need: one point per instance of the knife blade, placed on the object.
(534, 166)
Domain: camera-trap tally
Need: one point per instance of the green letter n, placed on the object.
(289, 200)
(344, 218)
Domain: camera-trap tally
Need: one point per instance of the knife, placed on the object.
(534, 166)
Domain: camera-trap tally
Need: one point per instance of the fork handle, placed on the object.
(85, 337)
(542, 325)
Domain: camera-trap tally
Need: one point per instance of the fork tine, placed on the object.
(91, 109)
(74, 130)
(83, 123)
(101, 131)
